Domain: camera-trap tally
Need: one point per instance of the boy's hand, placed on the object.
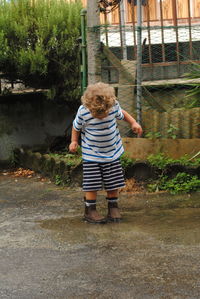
(73, 146)
(136, 128)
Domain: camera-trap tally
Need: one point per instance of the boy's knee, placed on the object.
(112, 193)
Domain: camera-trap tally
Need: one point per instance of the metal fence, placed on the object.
(165, 85)
(154, 51)
(170, 43)
(163, 22)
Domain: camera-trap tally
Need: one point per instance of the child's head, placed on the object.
(99, 98)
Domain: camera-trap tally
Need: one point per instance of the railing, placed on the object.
(168, 12)
(166, 23)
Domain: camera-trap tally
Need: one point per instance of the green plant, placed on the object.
(182, 183)
(58, 180)
(194, 92)
(79, 151)
(70, 159)
(153, 187)
(153, 135)
(126, 161)
(160, 160)
(172, 132)
(39, 45)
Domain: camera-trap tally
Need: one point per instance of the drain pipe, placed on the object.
(83, 51)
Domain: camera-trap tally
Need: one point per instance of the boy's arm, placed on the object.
(74, 140)
(136, 128)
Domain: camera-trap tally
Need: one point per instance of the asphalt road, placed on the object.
(47, 251)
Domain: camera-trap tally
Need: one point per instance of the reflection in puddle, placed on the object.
(178, 226)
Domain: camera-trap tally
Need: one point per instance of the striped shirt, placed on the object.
(100, 138)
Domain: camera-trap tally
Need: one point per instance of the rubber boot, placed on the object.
(92, 216)
(113, 212)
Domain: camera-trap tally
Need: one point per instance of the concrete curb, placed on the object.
(60, 172)
(50, 167)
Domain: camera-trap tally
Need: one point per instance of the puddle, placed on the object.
(167, 218)
(177, 226)
(180, 226)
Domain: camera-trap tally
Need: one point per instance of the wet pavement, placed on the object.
(47, 251)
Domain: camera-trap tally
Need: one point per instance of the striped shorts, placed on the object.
(99, 175)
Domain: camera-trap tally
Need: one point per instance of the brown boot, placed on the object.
(92, 216)
(113, 212)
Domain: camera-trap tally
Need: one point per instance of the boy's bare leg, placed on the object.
(91, 195)
(112, 193)
(91, 215)
(113, 210)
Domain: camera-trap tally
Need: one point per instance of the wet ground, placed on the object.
(47, 251)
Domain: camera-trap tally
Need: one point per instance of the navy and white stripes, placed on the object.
(101, 141)
(99, 175)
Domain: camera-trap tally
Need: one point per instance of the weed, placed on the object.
(69, 159)
(161, 161)
(172, 132)
(126, 161)
(58, 180)
(195, 91)
(182, 183)
(153, 135)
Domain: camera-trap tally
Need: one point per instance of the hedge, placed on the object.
(39, 45)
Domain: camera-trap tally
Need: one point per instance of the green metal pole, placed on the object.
(83, 50)
(139, 61)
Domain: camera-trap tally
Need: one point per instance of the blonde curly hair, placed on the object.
(99, 98)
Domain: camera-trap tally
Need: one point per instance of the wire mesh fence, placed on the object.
(169, 53)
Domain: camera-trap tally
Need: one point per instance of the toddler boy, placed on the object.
(101, 148)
